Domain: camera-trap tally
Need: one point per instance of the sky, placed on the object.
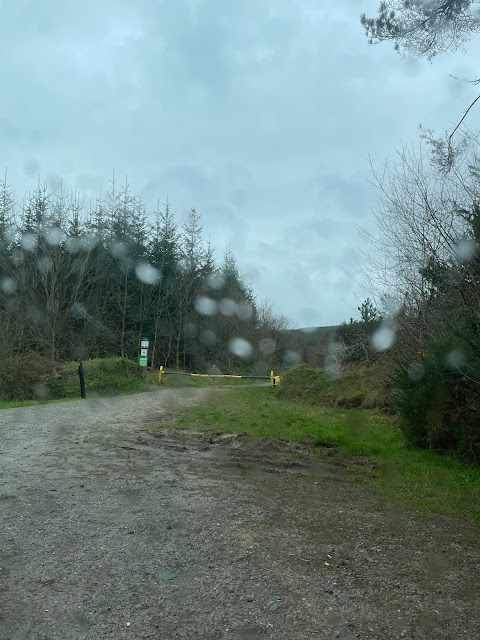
(262, 114)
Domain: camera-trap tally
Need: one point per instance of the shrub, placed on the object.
(25, 376)
(103, 375)
(438, 397)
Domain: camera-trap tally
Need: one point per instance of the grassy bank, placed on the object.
(103, 376)
(57, 382)
(410, 478)
(365, 388)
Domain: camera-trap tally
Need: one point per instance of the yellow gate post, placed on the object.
(161, 375)
(274, 380)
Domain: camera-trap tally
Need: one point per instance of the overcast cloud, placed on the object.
(259, 113)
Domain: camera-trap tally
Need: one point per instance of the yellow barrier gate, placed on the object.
(274, 380)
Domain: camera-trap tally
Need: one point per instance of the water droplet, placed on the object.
(240, 347)
(53, 236)
(416, 371)
(190, 330)
(8, 285)
(79, 311)
(119, 249)
(41, 391)
(28, 242)
(73, 245)
(35, 314)
(392, 305)
(333, 360)
(383, 338)
(292, 358)
(455, 359)
(465, 249)
(215, 280)
(147, 274)
(261, 368)
(205, 306)
(244, 311)
(214, 370)
(267, 346)
(208, 337)
(228, 307)
(45, 264)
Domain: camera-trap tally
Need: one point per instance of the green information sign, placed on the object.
(143, 358)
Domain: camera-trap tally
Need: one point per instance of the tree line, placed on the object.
(83, 280)
(425, 251)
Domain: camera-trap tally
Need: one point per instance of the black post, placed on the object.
(82, 380)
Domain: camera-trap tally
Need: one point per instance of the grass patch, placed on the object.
(362, 388)
(410, 478)
(15, 404)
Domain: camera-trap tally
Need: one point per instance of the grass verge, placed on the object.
(410, 478)
(15, 404)
(141, 387)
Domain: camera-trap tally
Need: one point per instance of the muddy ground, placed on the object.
(110, 530)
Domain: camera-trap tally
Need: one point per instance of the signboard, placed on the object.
(143, 358)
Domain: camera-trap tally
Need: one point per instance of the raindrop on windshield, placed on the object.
(267, 346)
(119, 249)
(292, 358)
(53, 236)
(245, 311)
(28, 242)
(216, 280)
(8, 285)
(455, 359)
(383, 338)
(147, 274)
(227, 307)
(208, 337)
(240, 347)
(45, 264)
(206, 306)
(416, 371)
(465, 249)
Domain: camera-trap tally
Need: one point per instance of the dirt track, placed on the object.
(109, 531)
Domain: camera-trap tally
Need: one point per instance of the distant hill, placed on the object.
(323, 332)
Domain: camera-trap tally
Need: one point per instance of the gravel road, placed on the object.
(111, 530)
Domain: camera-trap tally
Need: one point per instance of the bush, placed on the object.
(25, 376)
(438, 398)
(103, 375)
